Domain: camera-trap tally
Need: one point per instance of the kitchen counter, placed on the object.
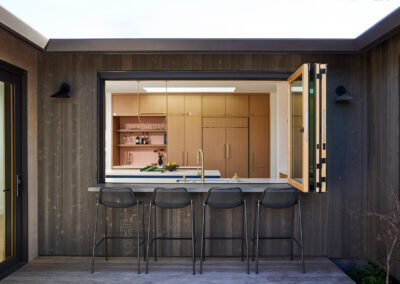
(136, 176)
(194, 185)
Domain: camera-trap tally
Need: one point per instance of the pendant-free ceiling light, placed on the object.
(190, 89)
(63, 92)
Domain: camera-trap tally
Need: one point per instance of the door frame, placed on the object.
(21, 215)
(102, 76)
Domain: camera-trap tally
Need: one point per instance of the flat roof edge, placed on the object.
(199, 45)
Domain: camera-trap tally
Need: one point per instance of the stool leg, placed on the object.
(291, 241)
(94, 235)
(301, 239)
(149, 242)
(144, 234)
(138, 234)
(203, 228)
(105, 230)
(254, 232)
(193, 241)
(247, 236)
(243, 225)
(258, 233)
(155, 232)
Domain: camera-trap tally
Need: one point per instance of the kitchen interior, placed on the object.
(191, 130)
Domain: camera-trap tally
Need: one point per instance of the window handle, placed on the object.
(7, 189)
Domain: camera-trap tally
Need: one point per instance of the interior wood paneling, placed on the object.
(68, 157)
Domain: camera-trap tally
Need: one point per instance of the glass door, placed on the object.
(307, 128)
(10, 170)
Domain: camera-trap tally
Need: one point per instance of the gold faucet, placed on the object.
(200, 157)
(128, 158)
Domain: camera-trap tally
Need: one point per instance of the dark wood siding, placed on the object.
(68, 156)
(383, 138)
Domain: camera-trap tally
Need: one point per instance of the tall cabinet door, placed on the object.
(259, 142)
(214, 149)
(176, 139)
(193, 139)
(237, 140)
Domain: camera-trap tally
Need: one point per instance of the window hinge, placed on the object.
(323, 160)
(323, 179)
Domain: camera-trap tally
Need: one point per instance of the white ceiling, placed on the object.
(200, 19)
(241, 86)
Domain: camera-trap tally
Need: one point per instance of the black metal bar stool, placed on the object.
(122, 197)
(279, 198)
(225, 198)
(169, 198)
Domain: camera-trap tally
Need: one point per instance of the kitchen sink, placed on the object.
(216, 180)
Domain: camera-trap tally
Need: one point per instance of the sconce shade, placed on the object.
(342, 95)
(63, 92)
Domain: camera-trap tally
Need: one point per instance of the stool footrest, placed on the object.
(278, 238)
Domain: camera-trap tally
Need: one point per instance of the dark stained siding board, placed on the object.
(383, 138)
(68, 159)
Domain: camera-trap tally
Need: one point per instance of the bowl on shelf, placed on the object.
(171, 168)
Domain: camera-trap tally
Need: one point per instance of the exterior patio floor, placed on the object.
(176, 270)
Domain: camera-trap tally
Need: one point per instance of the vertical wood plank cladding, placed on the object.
(68, 162)
(383, 138)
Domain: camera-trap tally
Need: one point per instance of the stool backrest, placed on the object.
(171, 198)
(117, 197)
(224, 197)
(279, 197)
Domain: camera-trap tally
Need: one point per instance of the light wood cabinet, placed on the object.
(175, 104)
(193, 139)
(237, 152)
(214, 149)
(237, 105)
(259, 141)
(259, 172)
(153, 104)
(176, 139)
(259, 105)
(226, 149)
(124, 104)
(193, 105)
(213, 105)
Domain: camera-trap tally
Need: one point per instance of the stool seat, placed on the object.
(120, 197)
(171, 198)
(224, 198)
(276, 198)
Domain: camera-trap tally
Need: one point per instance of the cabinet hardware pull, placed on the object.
(225, 151)
(183, 158)
(252, 159)
(228, 150)
(187, 158)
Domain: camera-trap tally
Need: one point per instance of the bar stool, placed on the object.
(225, 198)
(121, 197)
(169, 198)
(279, 198)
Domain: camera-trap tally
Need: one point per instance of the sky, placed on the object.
(201, 18)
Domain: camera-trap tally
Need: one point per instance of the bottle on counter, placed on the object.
(147, 138)
(137, 139)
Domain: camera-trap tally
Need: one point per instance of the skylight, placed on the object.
(201, 19)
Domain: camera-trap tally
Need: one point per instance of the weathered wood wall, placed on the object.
(383, 139)
(68, 156)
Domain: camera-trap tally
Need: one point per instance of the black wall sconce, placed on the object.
(63, 92)
(342, 95)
